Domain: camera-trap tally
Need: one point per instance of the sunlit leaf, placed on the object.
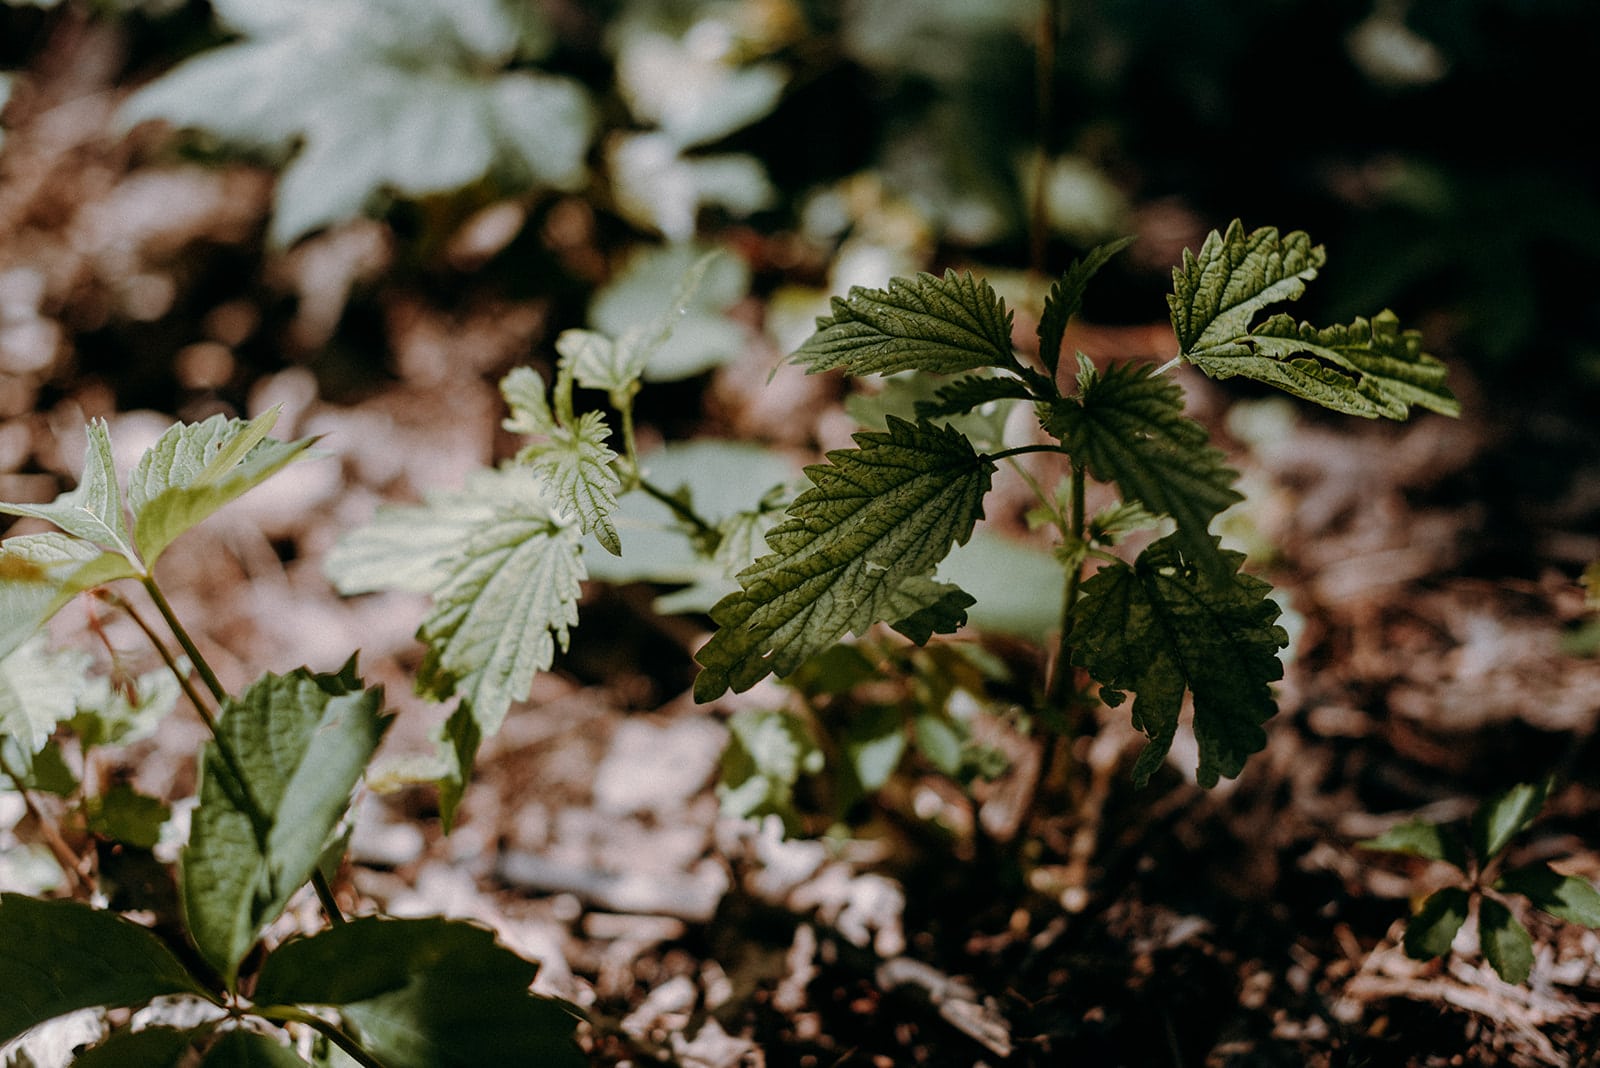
(768, 751)
(92, 511)
(40, 573)
(524, 393)
(1565, 897)
(38, 689)
(576, 464)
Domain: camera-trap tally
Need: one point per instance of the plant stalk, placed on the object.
(330, 1031)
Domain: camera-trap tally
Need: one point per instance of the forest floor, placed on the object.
(1430, 569)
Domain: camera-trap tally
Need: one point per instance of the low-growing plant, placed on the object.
(1478, 858)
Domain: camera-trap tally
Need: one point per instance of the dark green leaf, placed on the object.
(973, 391)
(1430, 932)
(61, 956)
(1128, 426)
(154, 1047)
(1419, 838)
(459, 739)
(1506, 944)
(302, 741)
(1163, 626)
(238, 1048)
(950, 324)
(876, 517)
(935, 608)
(1504, 816)
(125, 815)
(1217, 292)
(426, 993)
(1566, 897)
(1066, 299)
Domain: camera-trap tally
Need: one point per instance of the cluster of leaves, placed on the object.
(1478, 857)
(275, 786)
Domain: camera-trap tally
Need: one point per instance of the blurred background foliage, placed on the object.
(563, 151)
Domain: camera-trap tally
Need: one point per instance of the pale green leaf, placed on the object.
(1109, 526)
(524, 393)
(194, 469)
(409, 96)
(302, 741)
(92, 511)
(1430, 932)
(424, 993)
(576, 463)
(1065, 299)
(1566, 897)
(38, 689)
(950, 324)
(1217, 292)
(510, 597)
(126, 711)
(875, 517)
(1128, 426)
(915, 397)
(1506, 944)
(667, 307)
(61, 956)
(939, 742)
(1419, 838)
(768, 751)
(409, 547)
(1163, 626)
(1505, 815)
(40, 573)
(1018, 586)
(873, 742)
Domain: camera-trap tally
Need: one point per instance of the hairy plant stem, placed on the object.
(253, 809)
(330, 1031)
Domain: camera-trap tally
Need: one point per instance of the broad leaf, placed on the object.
(876, 517)
(238, 1048)
(510, 597)
(973, 391)
(411, 96)
(302, 741)
(768, 751)
(1419, 838)
(1566, 897)
(1217, 292)
(1504, 816)
(1128, 427)
(38, 689)
(92, 511)
(426, 993)
(62, 956)
(922, 607)
(1065, 299)
(154, 1047)
(950, 324)
(194, 469)
(873, 742)
(577, 463)
(1430, 932)
(1163, 626)
(1506, 944)
(123, 814)
(40, 573)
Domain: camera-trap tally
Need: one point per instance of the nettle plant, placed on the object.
(275, 784)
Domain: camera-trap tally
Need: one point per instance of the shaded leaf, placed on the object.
(238, 1048)
(1506, 944)
(926, 607)
(1419, 838)
(459, 739)
(154, 1047)
(61, 956)
(1065, 299)
(302, 741)
(425, 993)
(1430, 932)
(876, 516)
(123, 814)
(768, 750)
(874, 741)
(949, 324)
(973, 391)
(93, 510)
(1566, 897)
(1504, 816)
(1164, 626)
(939, 741)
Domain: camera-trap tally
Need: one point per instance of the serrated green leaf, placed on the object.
(524, 393)
(424, 993)
(904, 396)
(38, 689)
(194, 469)
(459, 738)
(1217, 292)
(1065, 299)
(154, 1047)
(577, 464)
(410, 547)
(410, 97)
(876, 516)
(1504, 816)
(123, 814)
(93, 510)
(950, 324)
(510, 597)
(1419, 838)
(40, 573)
(768, 751)
(1128, 427)
(922, 607)
(302, 741)
(1506, 944)
(61, 956)
(1107, 527)
(1566, 897)
(1433, 928)
(667, 306)
(1164, 626)
(238, 1048)
(972, 391)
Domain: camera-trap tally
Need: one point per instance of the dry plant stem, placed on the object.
(67, 860)
(1045, 74)
(330, 1031)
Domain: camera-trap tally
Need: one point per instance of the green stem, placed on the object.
(206, 674)
(121, 604)
(681, 510)
(331, 1031)
(1059, 692)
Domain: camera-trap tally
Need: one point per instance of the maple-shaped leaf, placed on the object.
(577, 464)
(93, 509)
(1065, 299)
(1368, 368)
(1163, 626)
(509, 596)
(950, 324)
(1127, 425)
(876, 518)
